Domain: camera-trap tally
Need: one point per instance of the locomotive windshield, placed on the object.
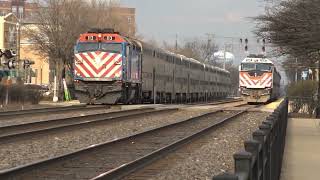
(256, 67)
(83, 47)
(248, 67)
(111, 47)
(263, 67)
(107, 47)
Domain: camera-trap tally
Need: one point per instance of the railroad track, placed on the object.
(117, 158)
(32, 112)
(218, 102)
(28, 130)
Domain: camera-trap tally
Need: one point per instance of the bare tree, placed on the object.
(201, 50)
(293, 26)
(58, 24)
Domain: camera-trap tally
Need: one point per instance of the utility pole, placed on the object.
(296, 77)
(224, 56)
(176, 46)
(318, 94)
(209, 40)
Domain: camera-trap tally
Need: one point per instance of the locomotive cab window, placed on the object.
(256, 67)
(264, 67)
(94, 46)
(248, 67)
(82, 47)
(111, 47)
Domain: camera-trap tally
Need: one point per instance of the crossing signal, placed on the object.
(11, 64)
(27, 63)
(8, 53)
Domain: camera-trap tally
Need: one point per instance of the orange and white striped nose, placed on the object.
(263, 81)
(98, 64)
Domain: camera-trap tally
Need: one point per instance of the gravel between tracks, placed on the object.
(208, 156)
(22, 152)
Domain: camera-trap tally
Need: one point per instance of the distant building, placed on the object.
(8, 32)
(127, 17)
(22, 9)
(8, 35)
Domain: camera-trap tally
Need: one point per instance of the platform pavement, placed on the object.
(60, 103)
(302, 151)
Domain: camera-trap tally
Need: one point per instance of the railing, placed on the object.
(261, 158)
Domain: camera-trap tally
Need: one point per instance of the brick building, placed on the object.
(127, 16)
(21, 8)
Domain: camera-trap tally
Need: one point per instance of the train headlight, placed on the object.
(245, 91)
(266, 91)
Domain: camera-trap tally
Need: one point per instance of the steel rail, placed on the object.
(28, 112)
(140, 163)
(218, 102)
(24, 131)
(92, 151)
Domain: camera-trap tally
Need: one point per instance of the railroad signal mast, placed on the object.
(9, 55)
(10, 61)
(246, 47)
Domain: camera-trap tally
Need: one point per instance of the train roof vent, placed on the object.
(105, 30)
(256, 56)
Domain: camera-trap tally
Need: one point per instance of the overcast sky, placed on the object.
(163, 19)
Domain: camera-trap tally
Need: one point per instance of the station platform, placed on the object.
(302, 150)
(60, 103)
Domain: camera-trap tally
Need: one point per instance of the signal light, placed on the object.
(27, 63)
(246, 41)
(246, 48)
(241, 40)
(263, 49)
(8, 53)
(11, 64)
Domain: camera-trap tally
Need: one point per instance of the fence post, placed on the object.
(268, 145)
(254, 148)
(226, 177)
(260, 137)
(243, 165)
(271, 122)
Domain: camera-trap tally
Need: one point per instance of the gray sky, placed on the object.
(163, 19)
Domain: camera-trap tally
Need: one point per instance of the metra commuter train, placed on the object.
(110, 68)
(259, 79)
